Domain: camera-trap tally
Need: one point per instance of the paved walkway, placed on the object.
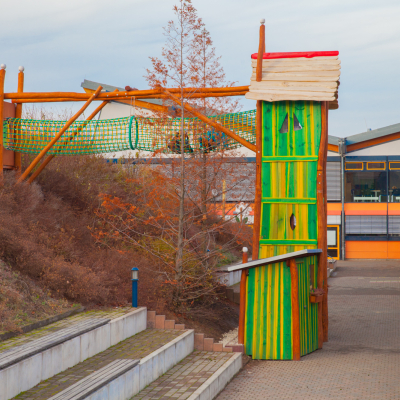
(361, 359)
(185, 378)
(135, 347)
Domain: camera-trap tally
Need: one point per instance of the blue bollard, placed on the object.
(135, 278)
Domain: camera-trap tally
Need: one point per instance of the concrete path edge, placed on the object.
(217, 382)
(148, 370)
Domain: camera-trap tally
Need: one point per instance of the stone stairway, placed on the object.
(112, 355)
(201, 375)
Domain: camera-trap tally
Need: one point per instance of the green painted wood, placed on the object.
(268, 327)
(289, 183)
(308, 312)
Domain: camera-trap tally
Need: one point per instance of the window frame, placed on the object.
(354, 162)
(394, 169)
(376, 169)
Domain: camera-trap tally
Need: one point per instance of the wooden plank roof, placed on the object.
(270, 260)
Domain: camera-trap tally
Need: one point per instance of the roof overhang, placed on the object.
(270, 260)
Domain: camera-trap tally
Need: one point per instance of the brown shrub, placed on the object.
(44, 237)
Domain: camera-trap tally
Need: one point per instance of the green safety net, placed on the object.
(129, 133)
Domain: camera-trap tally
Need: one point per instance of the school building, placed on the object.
(363, 182)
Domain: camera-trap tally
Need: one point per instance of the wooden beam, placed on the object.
(242, 305)
(258, 194)
(322, 218)
(18, 114)
(2, 78)
(372, 142)
(333, 147)
(294, 277)
(50, 157)
(57, 137)
(126, 94)
(325, 320)
(127, 98)
(208, 121)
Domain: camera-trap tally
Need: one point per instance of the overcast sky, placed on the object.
(62, 42)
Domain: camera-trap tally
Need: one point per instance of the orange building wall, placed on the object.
(372, 249)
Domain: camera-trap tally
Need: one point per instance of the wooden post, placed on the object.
(295, 309)
(257, 201)
(18, 114)
(49, 158)
(2, 78)
(223, 198)
(208, 121)
(245, 255)
(242, 309)
(325, 320)
(322, 218)
(57, 137)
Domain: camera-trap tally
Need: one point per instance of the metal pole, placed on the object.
(134, 292)
(342, 152)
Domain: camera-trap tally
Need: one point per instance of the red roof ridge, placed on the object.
(306, 54)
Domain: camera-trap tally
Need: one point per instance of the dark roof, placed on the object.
(373, 134)
(368, 135)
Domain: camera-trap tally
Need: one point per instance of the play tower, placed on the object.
(284, 310)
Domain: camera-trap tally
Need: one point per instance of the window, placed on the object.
(366, 225)
(333, 182)
(366, 186)
(394, 186)
(394, 165)
(285, 125)
(354, 166)
(376, 165)
(394, 225)
(333, 242)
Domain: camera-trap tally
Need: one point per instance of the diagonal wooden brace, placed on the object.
(208, 121)
(49, 158)
(57, 137)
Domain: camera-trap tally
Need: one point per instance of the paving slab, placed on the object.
(181, 381)
(135, 347)
(361, 359)
(24, 338)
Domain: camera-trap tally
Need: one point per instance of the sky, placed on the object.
(61, 43)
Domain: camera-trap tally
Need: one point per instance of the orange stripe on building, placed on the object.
(366, 208)
(334, 208)
(394, 209)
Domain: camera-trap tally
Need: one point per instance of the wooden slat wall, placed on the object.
(308, 311)
(268, 329)
(289, 176)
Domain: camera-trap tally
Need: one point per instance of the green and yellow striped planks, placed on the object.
(289, 185)
(308, 311)
(268, 323)
(289, 175)
(296, 145)
(268, 326)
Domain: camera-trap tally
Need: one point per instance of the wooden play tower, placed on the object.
(284, 309)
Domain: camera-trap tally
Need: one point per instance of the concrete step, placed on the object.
(200, 376)
(233, 293)
(157, 349)
(42, 354)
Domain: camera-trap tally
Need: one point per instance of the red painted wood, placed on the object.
(306, 54)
